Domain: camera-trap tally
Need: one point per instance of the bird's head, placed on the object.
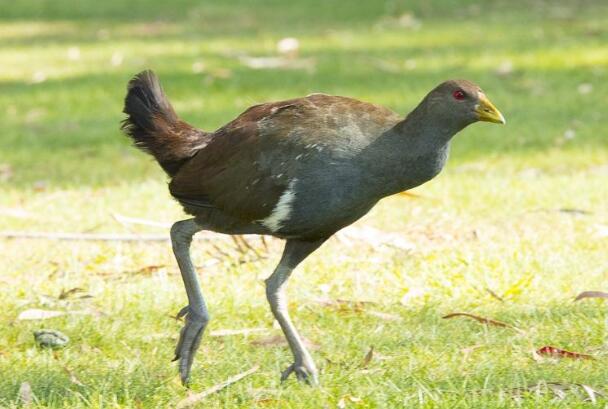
(462, 102)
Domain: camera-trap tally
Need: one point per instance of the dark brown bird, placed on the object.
(300, 170)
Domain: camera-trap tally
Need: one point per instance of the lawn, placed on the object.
(513, 229)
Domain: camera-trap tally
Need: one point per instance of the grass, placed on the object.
(491, 220)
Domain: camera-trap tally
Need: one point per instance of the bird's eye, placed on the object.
(458, 94)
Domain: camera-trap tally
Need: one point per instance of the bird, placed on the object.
(299, 170)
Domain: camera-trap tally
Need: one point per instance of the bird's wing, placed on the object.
(244, 170)
(251, 161)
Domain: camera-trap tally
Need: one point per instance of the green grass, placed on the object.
(491, 220)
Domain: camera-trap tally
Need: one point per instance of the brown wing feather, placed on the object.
(237, 171)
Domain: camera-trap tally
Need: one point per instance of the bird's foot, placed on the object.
(304, 373)
(189, 339)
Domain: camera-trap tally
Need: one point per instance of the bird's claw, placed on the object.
(189, 340)
(304, 373)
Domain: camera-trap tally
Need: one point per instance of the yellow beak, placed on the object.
(486, 111)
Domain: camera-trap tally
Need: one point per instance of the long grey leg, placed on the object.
(196, 313)
(295, 252)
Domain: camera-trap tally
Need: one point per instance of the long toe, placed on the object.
(188, 343)
(303, 374)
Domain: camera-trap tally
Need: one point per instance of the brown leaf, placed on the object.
(197, 397)
(149, 269)
(368, 358)
(26, 396)
(552, 351)
(591, 294)
(68, 293)
(483, 320)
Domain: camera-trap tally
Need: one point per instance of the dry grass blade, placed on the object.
(73, 378)
(368, 358)
(243, 331)
(69, 293)
(134, 220)
(345, 305)
(279, 340)
(590, 392)
(494, 295)
(197, 397)
(558, 390)
(591, 294)
(483, 320)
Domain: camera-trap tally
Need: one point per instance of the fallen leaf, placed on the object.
(483, 320)
(40, 185)
(561, 353)
(571, 210)
(368, 357)
(243, 331)
(385, 316)
(197, 397)
(37, 314)
(347, 398)
(600, 231)
(26, 396)
(6, 172)
(288, 46)
(591, 294)
(258, 63)
(468, 351)
(17, 213)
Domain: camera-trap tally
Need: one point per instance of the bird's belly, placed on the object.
(320, 212)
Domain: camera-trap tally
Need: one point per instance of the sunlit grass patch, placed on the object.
(512, 230)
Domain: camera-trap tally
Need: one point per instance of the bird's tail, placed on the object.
(155, 127)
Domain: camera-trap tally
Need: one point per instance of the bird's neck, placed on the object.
(414, 150)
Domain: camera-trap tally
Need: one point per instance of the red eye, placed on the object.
(458, 94)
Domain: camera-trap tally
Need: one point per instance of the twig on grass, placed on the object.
(483, 320)
(591, 294)
(197, 397)
(135, 220)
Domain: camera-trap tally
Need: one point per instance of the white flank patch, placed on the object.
(281, 211)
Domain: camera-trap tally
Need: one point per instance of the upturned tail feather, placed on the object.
(154, 126)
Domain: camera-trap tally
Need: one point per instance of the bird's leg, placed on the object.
(196, 313)
(295, 251)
